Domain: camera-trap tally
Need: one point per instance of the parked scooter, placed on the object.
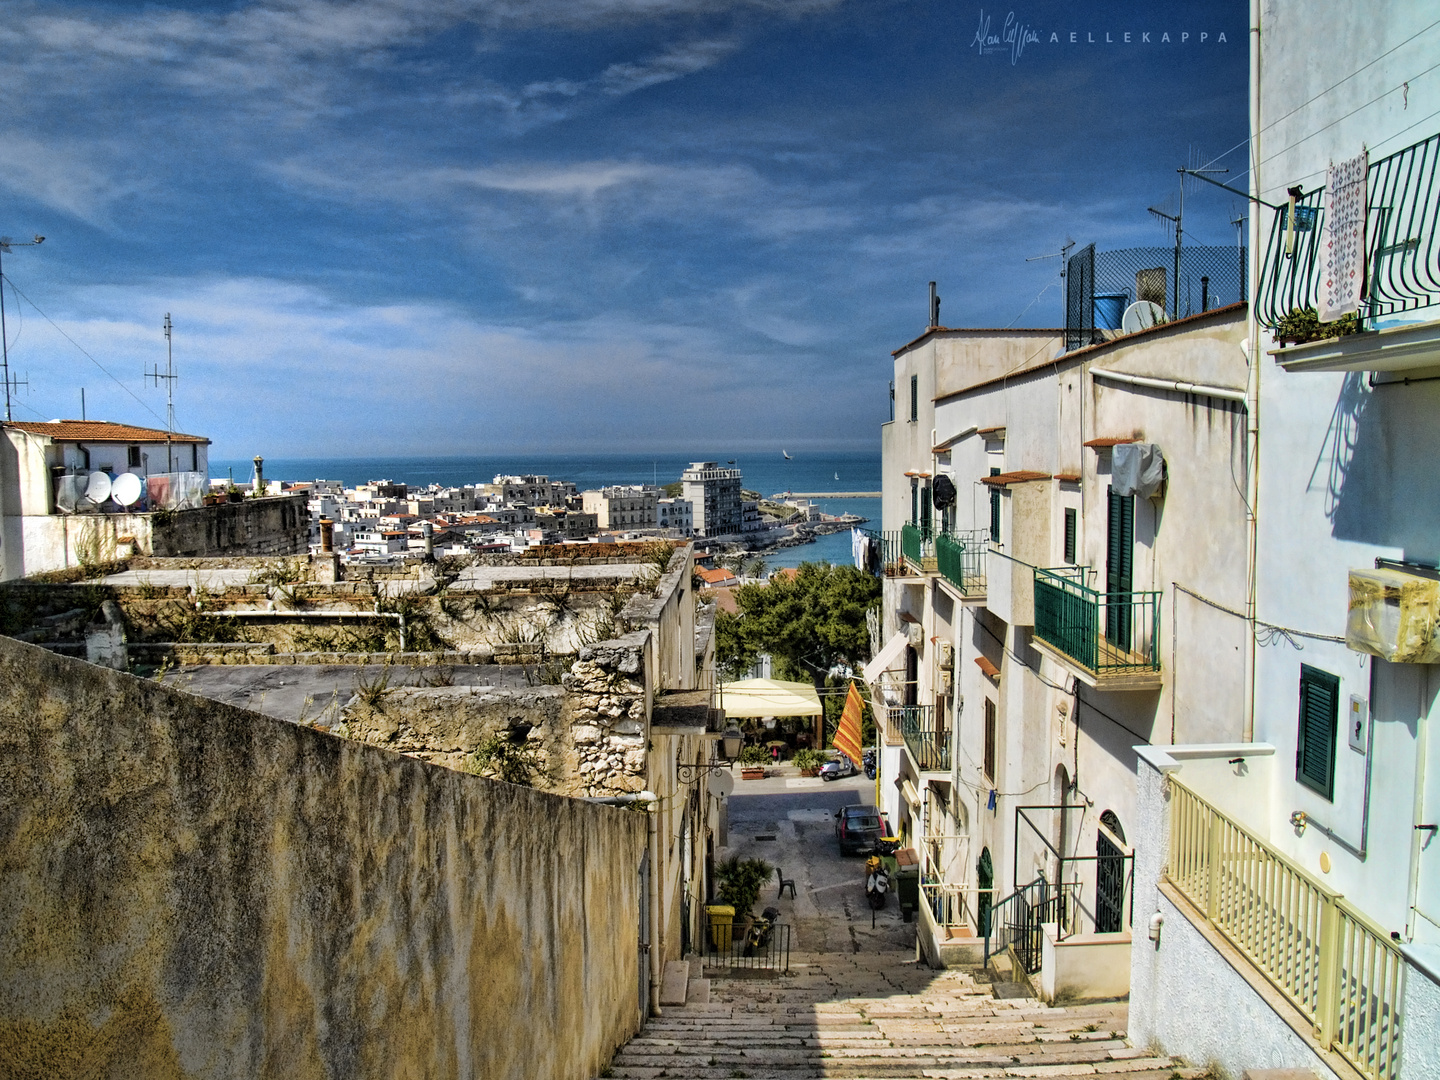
(877, 882)
(869, 762)
(757, 940)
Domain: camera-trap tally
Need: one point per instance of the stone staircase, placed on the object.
(882, 1015)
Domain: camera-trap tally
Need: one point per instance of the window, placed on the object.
(994, 509)
(1315, 747)
(134, 457)
(1070, 537)
(914, 397)
(990, 740)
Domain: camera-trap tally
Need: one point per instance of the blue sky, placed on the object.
(476, 226)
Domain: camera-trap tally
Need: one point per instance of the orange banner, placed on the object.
(847, 735)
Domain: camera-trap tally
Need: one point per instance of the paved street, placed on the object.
(829, 912)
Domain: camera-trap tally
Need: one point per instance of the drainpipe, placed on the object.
(1419, 834)
(1252, 384)
(652, 817)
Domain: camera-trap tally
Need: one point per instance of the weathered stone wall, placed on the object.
(446, 724)
(191, 890)
(609, 713)
(276, 525)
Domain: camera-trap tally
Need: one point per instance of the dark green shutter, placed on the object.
(994, 509)
(1119, 568)
(1070, 537)
(1315, 747)
(914, 501)
(925, 517)
(914, 397)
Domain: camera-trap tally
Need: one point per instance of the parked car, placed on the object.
(837, 769)
(858, 828)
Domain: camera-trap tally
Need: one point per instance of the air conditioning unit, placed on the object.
(915, 635)
(1394, 615)
(947, 656)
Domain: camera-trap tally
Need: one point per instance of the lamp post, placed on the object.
(5, 245)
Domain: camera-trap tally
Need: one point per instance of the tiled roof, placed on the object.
(987, 667)
(1068, 477)
(716, 577)
(1102, 444)
(1017, 477)
(989, 430)
(100, 431)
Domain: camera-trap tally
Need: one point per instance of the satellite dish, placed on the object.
(69, 492)
(722, 785)
(943, 492)
(1141, 315)
(97, 488)
(126, 489)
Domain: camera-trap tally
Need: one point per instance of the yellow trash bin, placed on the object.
(722, 921)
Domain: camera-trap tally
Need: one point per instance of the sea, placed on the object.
(769, 474)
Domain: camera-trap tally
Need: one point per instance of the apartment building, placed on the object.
(676, 516)
(714, 493)
(623, 507)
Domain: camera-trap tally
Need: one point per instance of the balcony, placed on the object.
(917, 542)
(1111, 641)
(883, 554)
(960, 558)
(1341, 971)
(928, 745)
(1402, 263)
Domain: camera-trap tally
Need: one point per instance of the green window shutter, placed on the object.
(914, 397)
(914, 501)
(925, 517)
(994, 509)
(1315, 747)
(1070, 537)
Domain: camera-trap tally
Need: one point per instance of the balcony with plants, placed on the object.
(1398, 323)
(1110, 640)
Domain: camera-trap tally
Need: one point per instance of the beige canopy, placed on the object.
(769, 697)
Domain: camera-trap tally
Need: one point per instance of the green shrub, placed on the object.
(740, 881)
(1303, 324)
(809, 759)
(754, 755)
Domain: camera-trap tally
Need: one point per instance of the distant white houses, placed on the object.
(676, 516)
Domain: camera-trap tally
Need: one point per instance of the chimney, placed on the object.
(1204, 293)
(327, 535)
(934, 306)
(427, 530)
(259, 476)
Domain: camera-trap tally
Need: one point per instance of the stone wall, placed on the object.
(609, 705)
(191, 890)
(275, 525)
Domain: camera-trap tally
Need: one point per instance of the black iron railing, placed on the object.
(738, 947)
(1402, 242)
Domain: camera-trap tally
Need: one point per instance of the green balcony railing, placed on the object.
(1402, 241)
(960, 558)
(928, 746)
(1105, 633)
(917, 542)
(884, 556)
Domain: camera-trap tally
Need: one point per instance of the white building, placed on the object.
(675, 515)
(714, 494)
(1294, 873)
(631, 507)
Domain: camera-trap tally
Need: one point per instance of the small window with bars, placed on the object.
(1070, 522)
(1315, 746)
(914, 397)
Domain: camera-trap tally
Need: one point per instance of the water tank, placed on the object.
(1109, 308)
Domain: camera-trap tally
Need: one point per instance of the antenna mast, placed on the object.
(169, 379)
(5, 245)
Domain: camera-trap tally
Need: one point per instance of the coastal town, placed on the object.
(1104, 748)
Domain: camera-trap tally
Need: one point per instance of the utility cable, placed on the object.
(92, 359)
(1322, 93)
(1266, 633)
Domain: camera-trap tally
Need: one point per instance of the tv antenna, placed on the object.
(168, 378)
(5, 245)
(1064, 256)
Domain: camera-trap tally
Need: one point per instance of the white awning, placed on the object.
(768, 697)
(887, 656)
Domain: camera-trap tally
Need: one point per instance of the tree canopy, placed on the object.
(808, 623)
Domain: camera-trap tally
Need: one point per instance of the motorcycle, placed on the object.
(869, 762)
(757, 938)
(877, 882)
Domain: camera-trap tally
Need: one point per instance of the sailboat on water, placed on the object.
(787, 455)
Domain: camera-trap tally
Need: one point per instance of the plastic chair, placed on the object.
(785, 883)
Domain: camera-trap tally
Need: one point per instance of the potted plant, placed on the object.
(808, 761)
(1303, 325)
(234, 494)
(752, 763)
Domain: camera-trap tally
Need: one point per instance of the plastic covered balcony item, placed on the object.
(1394, 615)
(1137, 469)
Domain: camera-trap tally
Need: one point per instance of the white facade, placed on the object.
(1346, 478)
(676, 515)
(714, 494)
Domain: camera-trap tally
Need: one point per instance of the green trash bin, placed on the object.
(907, 881)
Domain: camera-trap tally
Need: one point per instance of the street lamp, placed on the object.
(5, 245)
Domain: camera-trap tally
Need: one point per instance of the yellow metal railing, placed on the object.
(1333, 964)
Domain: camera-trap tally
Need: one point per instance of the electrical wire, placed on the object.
(1266, 633)
(1322, 93)
(92, 359)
